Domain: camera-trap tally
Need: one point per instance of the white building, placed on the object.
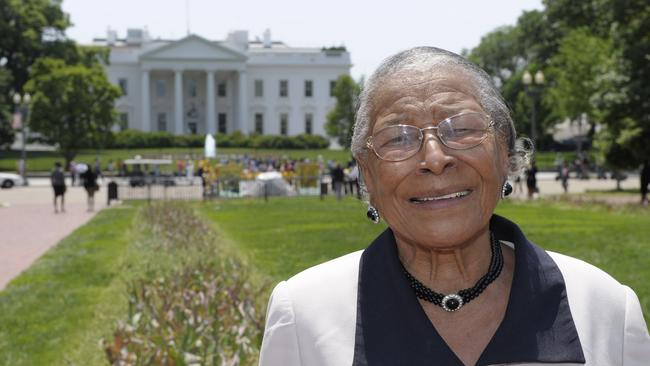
(194, 85)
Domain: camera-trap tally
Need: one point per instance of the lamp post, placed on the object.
(22, 105)
(533, 87)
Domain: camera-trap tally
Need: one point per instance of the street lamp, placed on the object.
(533, 87)
(22, 105)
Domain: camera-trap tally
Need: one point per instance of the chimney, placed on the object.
(111, 37)
(267, 38)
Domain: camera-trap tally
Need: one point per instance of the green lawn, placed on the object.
(285, 236)
(56, 312)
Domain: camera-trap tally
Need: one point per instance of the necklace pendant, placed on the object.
(452, 302)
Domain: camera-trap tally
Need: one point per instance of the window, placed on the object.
(221, 89)
(284, 88)
(124, 121)
(309, 121)
(162, 121)
(259, 123)
(192, 127)
(259, 88)
(332, 86)
(309, 88)
(161, 88)
(284, 124)
(222, 123)
(124, 86)
(191, 88)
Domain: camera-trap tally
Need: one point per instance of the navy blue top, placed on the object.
(393, 329)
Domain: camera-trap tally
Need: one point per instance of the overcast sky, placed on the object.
(371, 30)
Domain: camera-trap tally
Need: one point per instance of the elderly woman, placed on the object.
(449, 282)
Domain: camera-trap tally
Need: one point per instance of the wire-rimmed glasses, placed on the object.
(459, 132)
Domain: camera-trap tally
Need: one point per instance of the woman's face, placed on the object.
(410, 194)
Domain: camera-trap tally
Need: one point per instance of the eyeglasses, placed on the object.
(459, 132)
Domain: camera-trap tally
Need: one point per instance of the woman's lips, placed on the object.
(441, 198)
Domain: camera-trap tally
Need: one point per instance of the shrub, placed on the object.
(200, 316)
(199, 309)
(130, 139)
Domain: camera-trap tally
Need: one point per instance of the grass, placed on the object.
(55, 312)
(285, 236)
(44, 160)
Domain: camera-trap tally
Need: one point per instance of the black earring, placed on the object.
(373, 214)
(506, 190)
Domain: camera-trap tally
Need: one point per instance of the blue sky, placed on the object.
(371, 30)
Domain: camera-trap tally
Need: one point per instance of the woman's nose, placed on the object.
(434, 157)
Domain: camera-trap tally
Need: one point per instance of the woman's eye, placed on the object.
(397, 141)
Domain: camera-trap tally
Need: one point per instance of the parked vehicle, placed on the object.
(8, 180)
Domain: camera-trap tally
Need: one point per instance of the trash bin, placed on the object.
(112, 192)
(323, 189)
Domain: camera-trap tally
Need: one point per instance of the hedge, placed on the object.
(138, 139)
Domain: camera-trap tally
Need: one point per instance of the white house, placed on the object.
(195, 85)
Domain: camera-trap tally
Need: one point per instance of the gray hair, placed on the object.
(422, 59)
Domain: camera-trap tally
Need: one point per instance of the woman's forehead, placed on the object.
(442, 88)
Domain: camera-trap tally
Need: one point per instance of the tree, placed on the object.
(340, 121)
(30, 29)
(6, 130)
(72, 105)
(576, 74)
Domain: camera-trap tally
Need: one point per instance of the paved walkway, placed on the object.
(29, 226)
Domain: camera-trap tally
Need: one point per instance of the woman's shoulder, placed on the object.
(344, 268)
(587, 273)
(606, 313)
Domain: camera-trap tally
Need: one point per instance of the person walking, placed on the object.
(338, 177)
(645, 180)
(57, 179)
(564, 176)
(531, 180)
(90, 184)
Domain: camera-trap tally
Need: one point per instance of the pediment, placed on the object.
(193, 48)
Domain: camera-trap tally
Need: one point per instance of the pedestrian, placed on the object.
(531, 180)
(645, 180)
(98, 168)
(57, 179)
(338, 178)
(353, 179)
(73, 172)
(564, 176)
(189, 171)
(90, 184)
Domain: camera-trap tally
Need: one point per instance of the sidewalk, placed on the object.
(29, 227)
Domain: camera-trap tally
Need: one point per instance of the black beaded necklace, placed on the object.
(453, 302)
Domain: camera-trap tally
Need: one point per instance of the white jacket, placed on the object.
(359, 310)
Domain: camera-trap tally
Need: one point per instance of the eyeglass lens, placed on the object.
(460, 132)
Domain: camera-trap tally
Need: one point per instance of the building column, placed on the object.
(211, 108)
(243, 103)
(178, 102)
(146, 105)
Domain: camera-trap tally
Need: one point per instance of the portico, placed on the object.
(201, 75)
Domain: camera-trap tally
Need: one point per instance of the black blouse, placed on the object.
(392, 328)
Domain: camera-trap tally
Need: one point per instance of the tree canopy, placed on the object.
(340, 121)
(30, 29)
(595, 55)
(72, 105)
